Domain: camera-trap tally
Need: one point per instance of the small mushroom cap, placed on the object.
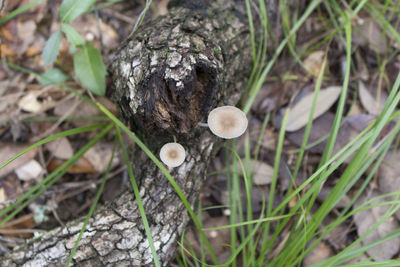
(227, 122)
(172, 154)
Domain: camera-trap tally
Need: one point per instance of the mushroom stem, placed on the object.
(202, 124)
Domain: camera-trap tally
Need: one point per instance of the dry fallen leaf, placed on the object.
(389, 173)
(10, 188)
(268, 140)
(29, 103)
(60, 148)
(355, 109)
(30, 170)
(84, 109)
(7, 51)
(314, 61)
(218, 238)
(9, 32)
(352, 126)
(26, 33)
(37, 12)
(3, 195)
(268, 98)
(369, 32)
(258, 195)
(372, 100)
(15, 228)
(300, 112)
(8, 100)
(321, 252)
(339, 236)
(9, 150)
(324, 193)
(319, 129)
(92, 28)
(360, 258)
(110, 37)
(81, 166)
(368, 218)
(261, 172)
(11, 4)
(99, 156)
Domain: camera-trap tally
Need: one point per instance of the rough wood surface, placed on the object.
(167, 78)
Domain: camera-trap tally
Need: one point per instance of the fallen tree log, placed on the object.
(166, 79)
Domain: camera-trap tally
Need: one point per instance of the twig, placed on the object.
(54, 211)
(3, 4)
(11, 242)
(139, 19)
(68, 186)
(17, 221)
(75, 192)
(21, 231)
(118, 15)
(54, 126)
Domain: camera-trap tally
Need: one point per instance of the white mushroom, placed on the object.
(172, 154)
(227, 122)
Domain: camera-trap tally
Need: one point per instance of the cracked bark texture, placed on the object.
(167, 77)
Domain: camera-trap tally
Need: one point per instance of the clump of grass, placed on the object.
(303, 226)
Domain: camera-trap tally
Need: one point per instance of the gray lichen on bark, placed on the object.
(166, 80)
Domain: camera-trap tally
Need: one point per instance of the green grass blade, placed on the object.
(310, 120)
(39, 76)
(261, 135)
(138, 199)
(334, 162)
(71, 9)
(251, 27)
(338, 117)
(350, 171)
(54, 137)
(20, 10)
(259, 83)
(275, 218)
(92, 207)
(49, 180)
(344, 215)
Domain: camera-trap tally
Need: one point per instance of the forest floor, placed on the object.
(32, 109)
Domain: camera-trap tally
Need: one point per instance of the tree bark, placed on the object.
(166, 79)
